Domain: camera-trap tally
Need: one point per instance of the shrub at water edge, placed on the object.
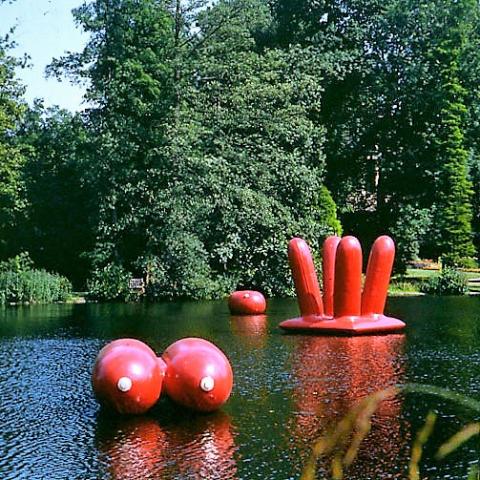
(109, 284)
(21, 283)
(449, 282)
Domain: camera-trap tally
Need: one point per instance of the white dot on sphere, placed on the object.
(207, 384)
(124, 384)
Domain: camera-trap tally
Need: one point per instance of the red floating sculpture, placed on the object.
(329, 251)
(198, 375)
(247, 302)
(128, 376)
(344, 308)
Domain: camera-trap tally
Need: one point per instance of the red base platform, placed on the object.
(347, 325)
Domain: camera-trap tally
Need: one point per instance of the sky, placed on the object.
(44, 30)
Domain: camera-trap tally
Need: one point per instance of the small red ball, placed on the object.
(127, 376)
(247, 302)
(198, 376)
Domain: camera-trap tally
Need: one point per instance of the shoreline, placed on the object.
(83, 301)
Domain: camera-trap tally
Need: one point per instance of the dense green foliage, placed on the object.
(453, 208)
(474, 167)
(409, 231)
(248, 157)
(448, 282)
(60, 200)
(21, 283)
(230, 168)
(215, 132)
(109, 284)
(397, 118)
(130, 79)
(12, 107)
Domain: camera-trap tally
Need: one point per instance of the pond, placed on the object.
(288, 391)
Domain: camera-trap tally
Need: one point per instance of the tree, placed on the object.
(127, 64)
(454, 209)
(344, 39)
(474, 169)
(381, 113)
(57, 230)
(12, 108)
(247, 162)
(209, 160)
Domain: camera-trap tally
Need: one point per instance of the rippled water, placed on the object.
(289, 390)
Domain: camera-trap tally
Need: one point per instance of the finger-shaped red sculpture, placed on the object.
(329, 254)
(348, 278)
(247, 302)
(127, 376)
(353, 312)
(379, 269)
(198, 374)
(305, 278)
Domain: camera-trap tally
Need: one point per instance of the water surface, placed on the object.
(289, 390)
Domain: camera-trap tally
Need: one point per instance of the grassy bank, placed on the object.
(410, 283)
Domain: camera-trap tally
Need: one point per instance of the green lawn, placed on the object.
(409, 283)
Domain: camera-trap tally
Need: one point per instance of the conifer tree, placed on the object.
(454, 190)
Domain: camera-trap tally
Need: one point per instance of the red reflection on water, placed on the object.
(250, 329)
(139, 448)
(333, 375)
(135, 448)
(206, 449)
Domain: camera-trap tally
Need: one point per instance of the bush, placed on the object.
(21, 283)
(449, 282)
(109, 283)
(454, 261)
(183, 271)
(408, 232)
(19, 263)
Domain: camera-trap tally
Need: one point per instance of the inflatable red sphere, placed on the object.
(127, 376)
(247, 302)
(198, 375)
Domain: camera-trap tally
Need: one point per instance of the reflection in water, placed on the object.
(134, 449)
(286, 387)
(251, 330)
(333, 375)
(194, 447)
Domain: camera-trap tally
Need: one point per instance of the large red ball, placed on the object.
(247, 302)
(198, 376)
(127, 376)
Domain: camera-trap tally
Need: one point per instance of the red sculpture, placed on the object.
(247, 302)
(198, 375)
(329, 250)
(127, 376)
(347, 310)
